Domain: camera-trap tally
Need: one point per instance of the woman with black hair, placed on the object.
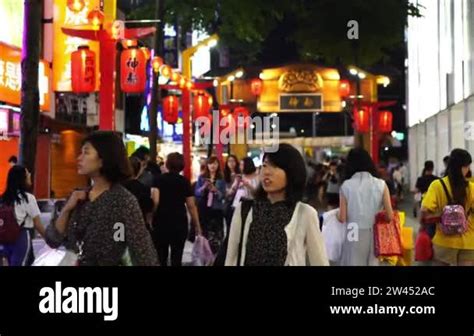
(210, 192)
(362, 196)
(147, 197)
(27, 214)
(278, 230)
(104, 222)
(232, 173)
(452, 249)
(170, 224)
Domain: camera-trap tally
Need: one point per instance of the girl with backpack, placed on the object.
(452, 200)
(19, 207)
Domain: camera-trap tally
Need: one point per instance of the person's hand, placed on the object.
(246, 183)
(198, 231)
(76, 197)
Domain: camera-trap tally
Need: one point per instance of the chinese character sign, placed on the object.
(10, 77)
(133, 71)
(299, 102)
(83, 70)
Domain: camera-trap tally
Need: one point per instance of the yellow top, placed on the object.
(435, 200)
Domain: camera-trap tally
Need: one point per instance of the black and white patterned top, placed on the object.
(267, 243)
(97, 223)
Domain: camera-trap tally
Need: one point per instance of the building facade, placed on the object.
(440, 75)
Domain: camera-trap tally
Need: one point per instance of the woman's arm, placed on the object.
(387, 203)
(38, 226)
(139, 243)
(342, 214)
(55, 233)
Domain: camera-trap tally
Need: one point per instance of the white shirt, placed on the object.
(305, 241)
(26, 211)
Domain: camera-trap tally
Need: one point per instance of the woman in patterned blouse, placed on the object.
(104, 222)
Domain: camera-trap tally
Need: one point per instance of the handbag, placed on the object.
(387, 235)
(423, 246)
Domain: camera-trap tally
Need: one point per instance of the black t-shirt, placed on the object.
(174, 189)
(423, 182)
(142, 194)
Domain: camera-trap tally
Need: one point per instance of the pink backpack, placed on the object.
(453, 218)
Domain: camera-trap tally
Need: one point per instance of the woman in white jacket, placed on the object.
(279, 230)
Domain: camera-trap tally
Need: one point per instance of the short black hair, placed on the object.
(429, 165)
(249, 166)
(141, 152)
(135, 164)
(13, 159)
(446, 159)
(175, 162)
(111, 149)
(359, 160)
(291, 161)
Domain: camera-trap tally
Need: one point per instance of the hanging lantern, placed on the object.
(76, 5)
(201, 106)
(157, 62)
(146, 52)
(83, 70)
(129, 43)
(96, 17)
(385, 121)
(361, 118)
(182, 82)
(175, 77)
(170, 109)
(133, 71)
(344, 88)
(166, 71)
(256, 86)
(189, 85)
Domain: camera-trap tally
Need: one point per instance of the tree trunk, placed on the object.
(29, 84)
(155, 93)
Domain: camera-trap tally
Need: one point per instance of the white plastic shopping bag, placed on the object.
(202, 254)
(334, 233)
(48, 256)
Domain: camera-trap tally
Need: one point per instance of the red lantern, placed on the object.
(344, 88)
(96, 17)
(361, 118)
(166, 71)
(170, 109)
(133, 71)
(83, 70)
(76, 5)
(256, 86)
(157, 63)
(175, 77)
(385, 121)
(201, 106)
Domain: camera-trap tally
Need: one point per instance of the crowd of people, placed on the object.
(136, 212)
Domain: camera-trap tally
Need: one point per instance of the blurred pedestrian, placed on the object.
(277, 229)
(232, 172)
(12, 161)
(210, 191)
(362, 196)
(103, 224)
(457, 249)
(170, 224)
(17, 199)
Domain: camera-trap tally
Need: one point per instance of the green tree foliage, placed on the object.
(319, 28)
